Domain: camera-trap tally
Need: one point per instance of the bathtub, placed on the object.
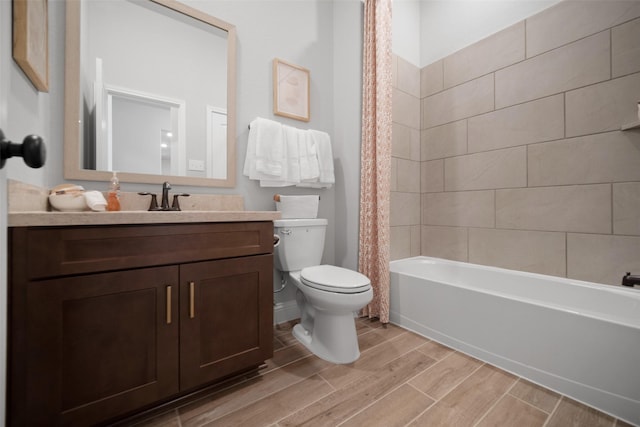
(578, 338)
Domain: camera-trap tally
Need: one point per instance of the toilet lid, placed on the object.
(335, 279)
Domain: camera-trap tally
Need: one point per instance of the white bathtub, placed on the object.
(578, 338)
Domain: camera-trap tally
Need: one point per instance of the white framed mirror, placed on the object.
(152, 97)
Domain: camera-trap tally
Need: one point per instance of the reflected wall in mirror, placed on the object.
(153, 97)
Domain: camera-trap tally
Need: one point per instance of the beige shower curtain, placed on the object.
(375, 174)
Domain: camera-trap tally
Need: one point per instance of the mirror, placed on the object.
(152, 97)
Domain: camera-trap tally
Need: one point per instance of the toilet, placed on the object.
(327, 296)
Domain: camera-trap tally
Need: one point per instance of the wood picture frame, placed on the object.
(291, 90)
(31, 40)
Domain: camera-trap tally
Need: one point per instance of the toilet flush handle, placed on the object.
(285, 231)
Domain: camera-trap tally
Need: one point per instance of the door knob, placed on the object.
(32, 150)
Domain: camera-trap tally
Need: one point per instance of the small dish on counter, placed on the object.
(68, 198)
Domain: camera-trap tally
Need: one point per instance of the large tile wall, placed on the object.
(522, 163)
(406, 184)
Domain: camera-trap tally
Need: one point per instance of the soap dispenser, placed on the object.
(113, 195)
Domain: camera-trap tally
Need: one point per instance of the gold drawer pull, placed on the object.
(192, 300)
(168, 305)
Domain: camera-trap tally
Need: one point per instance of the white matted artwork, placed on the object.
(291, 90)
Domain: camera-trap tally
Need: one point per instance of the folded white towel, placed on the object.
(280, 156)
(292, 144)
(270, 151)
(267, 160)
(326, 178)
(308, 158)
(325, 156)
(291, 171)
(95, 200)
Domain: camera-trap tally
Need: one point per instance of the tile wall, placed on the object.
(517, 159)
(406, 163)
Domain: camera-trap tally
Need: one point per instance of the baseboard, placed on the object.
(285, 311)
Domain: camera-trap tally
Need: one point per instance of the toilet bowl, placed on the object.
(327, 296)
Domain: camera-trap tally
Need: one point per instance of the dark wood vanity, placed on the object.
(106, 320)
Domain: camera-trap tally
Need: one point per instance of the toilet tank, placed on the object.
(301, 243)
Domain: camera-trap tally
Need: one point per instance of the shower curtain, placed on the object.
(375, 174)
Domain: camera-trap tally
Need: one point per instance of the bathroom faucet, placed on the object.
(164, 204)
(629, 280)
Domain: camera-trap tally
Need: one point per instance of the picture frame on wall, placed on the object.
(31, 40)
(291, 90)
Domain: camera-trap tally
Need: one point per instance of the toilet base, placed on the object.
(333, 337)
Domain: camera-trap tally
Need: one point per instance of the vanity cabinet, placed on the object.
(107, 320)
(226, 317)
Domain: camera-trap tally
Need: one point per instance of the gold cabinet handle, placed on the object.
(192, 300)
(168, 304)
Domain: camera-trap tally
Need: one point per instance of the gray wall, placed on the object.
(5, 51)
(24, 111)
(346, 108)
(325, 38)
(321, 36)
(303, 33)
(427, 30)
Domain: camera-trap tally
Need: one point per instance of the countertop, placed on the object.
(29, 207)
(48, 219)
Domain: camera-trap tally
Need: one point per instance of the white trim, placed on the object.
(103, 143)
(178, 114)
(285, 311)
(211, 152)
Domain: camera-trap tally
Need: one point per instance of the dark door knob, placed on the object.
(32, 150)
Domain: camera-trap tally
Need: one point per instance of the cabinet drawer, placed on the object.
(48, 252)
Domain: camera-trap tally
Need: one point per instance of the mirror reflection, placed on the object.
(154, 93)
(139, 133)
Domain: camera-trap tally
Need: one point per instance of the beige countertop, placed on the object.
(44, 219)
(28, 207)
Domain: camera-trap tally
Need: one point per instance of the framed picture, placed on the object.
(291, 90)
(31, 40)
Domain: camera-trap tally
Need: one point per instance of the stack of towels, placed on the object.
(280, 156)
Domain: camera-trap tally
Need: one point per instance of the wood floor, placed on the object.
(401, 379)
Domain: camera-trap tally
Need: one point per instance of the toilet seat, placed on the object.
(335, 279)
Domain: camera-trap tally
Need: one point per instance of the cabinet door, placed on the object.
(100, 345)
(226, 317)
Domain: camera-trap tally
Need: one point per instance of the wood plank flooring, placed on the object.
(401, 379)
